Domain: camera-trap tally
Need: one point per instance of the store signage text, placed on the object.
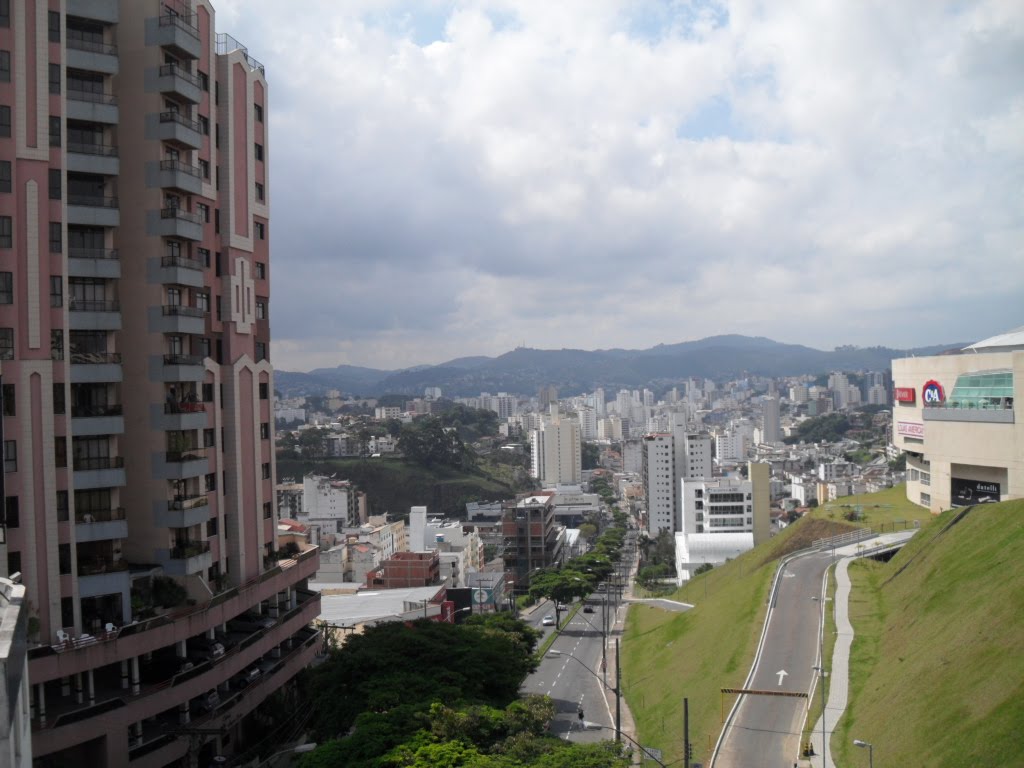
(910, 429)
(904, 394)
(932, 393)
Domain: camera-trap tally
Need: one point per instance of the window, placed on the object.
(10, 455)
(264, 391)
(204, 126)
(6, 232)
(12, 514)
(264, 430)
(59, 406)
(56, 237)
(261, 309)
(217, 301)
(5, 21)
(5, 175)
(261, 230)
(57, 344)
(209, 437)
(261, 350)
(259, 151)
(5, 122)
(211, 482)
(54, 131)
(6, 343)
(207, 393)
(204, 80)
(5, 66)
(204, 211)
(211, 527)
(261, 270)
(260, 193)
(8, 397)
(216, 136)
(257, 110)
(6, 287)
(216, 261)
(204, 347)
(64, 559)
(268, 509)
(60, 452)
(56, 291)
(216, 221)
(54, 26)
(54, 179)
(14, 562)
(265, 469)
(926, 499)
(203, 301)
(62, 506)
(55, 78)
(204, 169)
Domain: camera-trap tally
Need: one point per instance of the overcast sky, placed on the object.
(454, 179)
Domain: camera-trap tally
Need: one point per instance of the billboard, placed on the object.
(964, 493)
(904, 395)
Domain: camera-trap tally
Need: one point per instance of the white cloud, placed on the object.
(458, 178)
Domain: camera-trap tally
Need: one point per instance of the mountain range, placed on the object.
(573, 371)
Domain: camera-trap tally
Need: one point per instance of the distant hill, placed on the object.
(523, 370)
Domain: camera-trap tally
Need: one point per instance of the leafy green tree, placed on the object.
(590, 455)
(427, 442)
(313, 442)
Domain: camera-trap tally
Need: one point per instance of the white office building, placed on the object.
(669, 457)
(556, 452)
(771, 428)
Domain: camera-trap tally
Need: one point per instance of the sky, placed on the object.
(452, 179)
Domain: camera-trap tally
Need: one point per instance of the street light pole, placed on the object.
(821, 672)
(618, 694)
(871, 751)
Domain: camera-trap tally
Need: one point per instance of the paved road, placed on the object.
(766, 729)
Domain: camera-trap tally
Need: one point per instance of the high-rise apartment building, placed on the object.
(134, 333)
(668, 458)
(771, 427)
(557, 452)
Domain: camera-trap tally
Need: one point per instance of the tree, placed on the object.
(590, 455)
(313, 442)
(428, 443)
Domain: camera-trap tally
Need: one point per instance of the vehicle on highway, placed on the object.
(588, 608)
(548, 621)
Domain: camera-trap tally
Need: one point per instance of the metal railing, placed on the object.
(189, 549)
(177, 165)
(93, 201)
(91, 46)
(93, 253)
(95, 358)
(88, 148)
(182, 261)
(99, 515)
(181, 214)
(87, 463)
(173, 70)
(94, 305)
(92, 411)
(183, 360)
(184, 406)
(180, 119)
(94, 97)
(190, 454)
(187, 502)
(183, 23)
(100, 565)
(183, 311)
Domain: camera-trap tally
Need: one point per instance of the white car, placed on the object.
(548, 621)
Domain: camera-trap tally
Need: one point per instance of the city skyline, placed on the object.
(460, 179)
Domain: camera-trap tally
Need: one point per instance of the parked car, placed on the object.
(207, 702)
(548, 621)
(204, 648)
(245, 677)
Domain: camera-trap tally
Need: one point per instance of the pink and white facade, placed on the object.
(134, 340)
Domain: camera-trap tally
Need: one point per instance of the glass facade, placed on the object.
(989, 389)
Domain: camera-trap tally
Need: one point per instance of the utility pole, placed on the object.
(686, 732)
(618, 694)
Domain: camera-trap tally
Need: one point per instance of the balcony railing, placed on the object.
(180, 213)
(182, 261)
(99, 515)
(190, 454)
(93, 201)
(94, 305)
(87, 411)
(183, 311)
(86, 463)
(182, 503)
(177, 165)
(95, 566)
(184, 407)
(94, 97)
(173, 70)
(180, 119)
(183, 360)
(87, 148)
(95, 358)
(189, 549)
(93, 253)
(92, 46)
(181, 22)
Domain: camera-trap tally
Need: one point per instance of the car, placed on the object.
(588, 608)
(548, 621)
(561, 607)
(243, 678)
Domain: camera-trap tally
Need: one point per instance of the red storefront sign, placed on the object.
(904, 394)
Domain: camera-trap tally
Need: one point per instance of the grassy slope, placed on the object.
(937, 676)
(880, 509)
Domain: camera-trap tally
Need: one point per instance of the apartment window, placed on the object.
(5, 175)
(56, 237)
(62, 506)
(211, 482)
(6, 232)
(265, 469)
(217, 301)
(261, 351)
(264, 391)
(64, 559)
(67, 611)
(219, 356)
(259, 151)
(216, 92)
(261, 270)
(268, 507)
(174, 296)
(926, 499)
(6, 287)
(257, 110)
(10, 455)
(6, 343)
(203, 301)
(12, 512)
(55, 78)
(217, 269)
(209, 437)
(54, 131)
(203, 254)
(211, 527)
(57, 344)
(60, 452)
(59, 406)
(8, 397)
(5, 66)
(216, 136)
(5, 21)
(204, 80)
(54, 179)
(5, 122)
(53, 22)
(204, 169)
(261, 230)
(261, 309)
(204, 347)
(216, 221)
(204, 211)
(264, 430)
(204, 125)
(14, 562)
(260, 193)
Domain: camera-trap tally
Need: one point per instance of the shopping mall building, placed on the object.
(953, 415)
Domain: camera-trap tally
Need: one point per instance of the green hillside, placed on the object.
(938, 675)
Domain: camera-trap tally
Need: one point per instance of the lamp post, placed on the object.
(821, 671)
(299, 750)
(604, 646)
(617, 690)
(871, 751)
(634, 742)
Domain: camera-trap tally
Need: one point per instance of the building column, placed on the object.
(124, 674)
(183, 714)
(91, 686)
(65, 686)
(135, 675)
(182, 652)
(78, 688)
(136, 733)
(293, 598)
(40, 703)
(272, 611)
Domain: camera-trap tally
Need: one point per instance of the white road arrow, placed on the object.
(781, 673)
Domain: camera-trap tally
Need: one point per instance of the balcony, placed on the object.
(100, 525)
(102, 577)
(94, 315)
(178, 417)
(93, 210)
(177, 81)
(974, 415)
(97, 420)
(175, 318)
(176, 32)
(177, 222)
(99, 472)
(174, 174)
(178, 465)
(186, 558)
(91, 106)
(178, 368)
(94, 262)
(105, 11)
(175, 128)
(95, 367)
(184, 512)
(182, 270)
(90, 55)
(93, 158)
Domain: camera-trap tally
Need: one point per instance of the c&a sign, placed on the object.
(932, 393)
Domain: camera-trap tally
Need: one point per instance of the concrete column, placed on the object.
(211, 634)
(124, 674)
(136, 733)
(135, 675)
(78, 688)
(40, 703)
(293, 597)
(183, 714)
(91, 686)
(272, 611)
(182, 653)
(65, 686)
